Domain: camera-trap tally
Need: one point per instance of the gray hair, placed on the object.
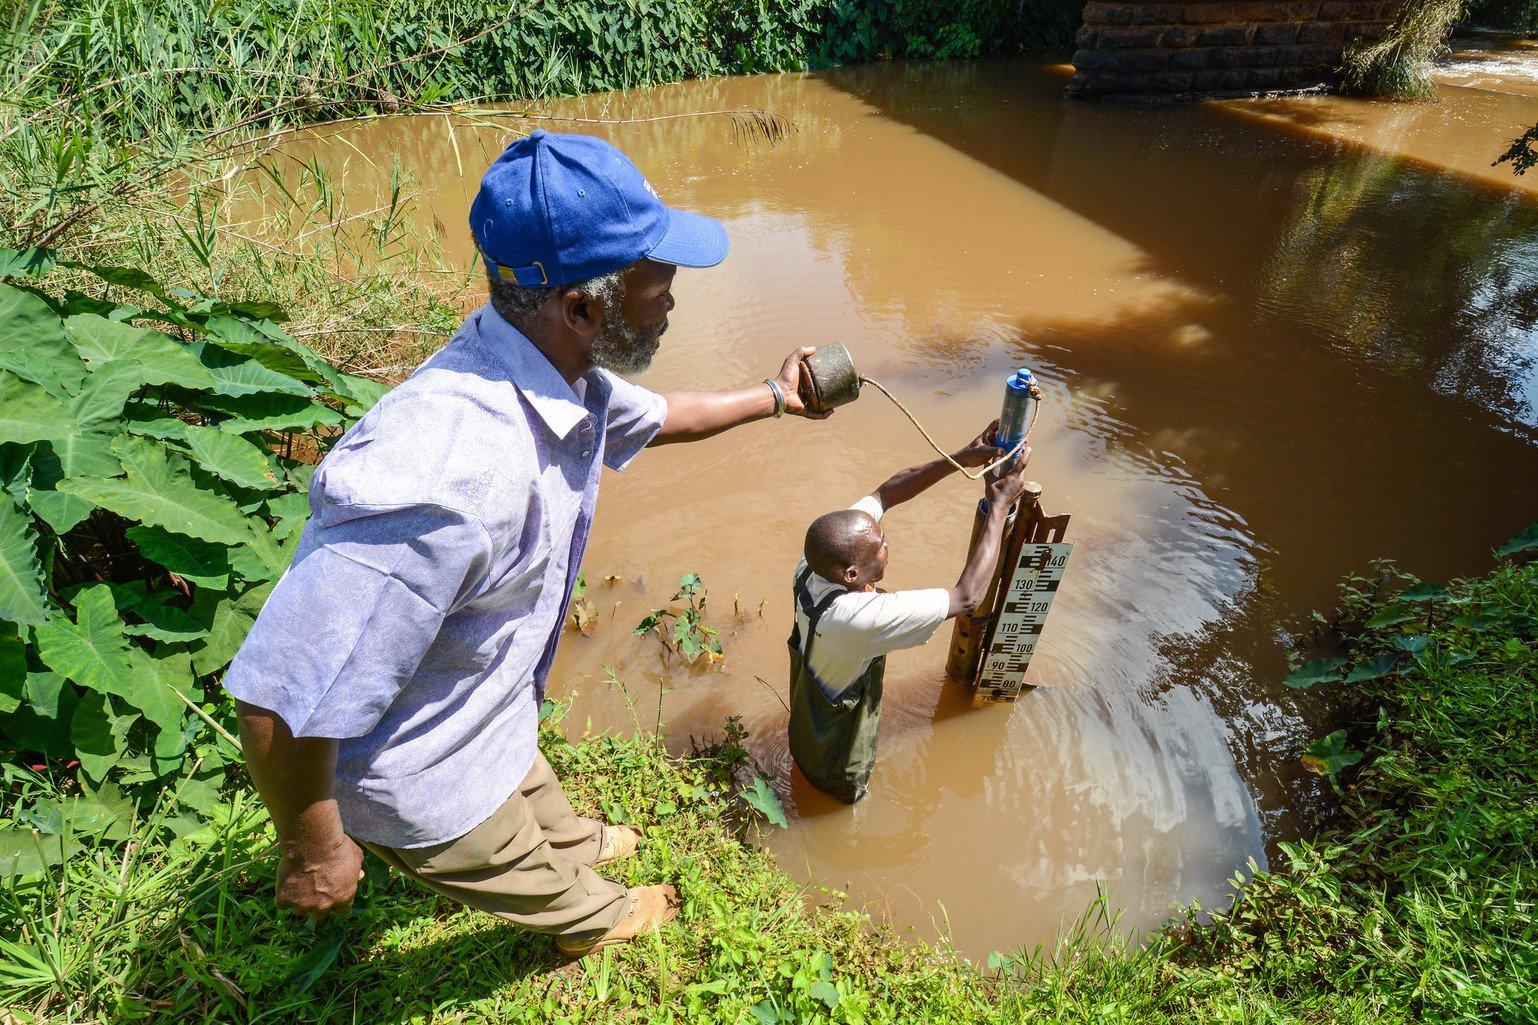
(517, 303)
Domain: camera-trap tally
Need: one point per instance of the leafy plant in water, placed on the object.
(149, 499)
(689, 635)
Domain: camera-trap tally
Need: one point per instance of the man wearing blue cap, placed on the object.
(389, 692)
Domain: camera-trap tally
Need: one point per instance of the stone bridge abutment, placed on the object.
(1184, 49)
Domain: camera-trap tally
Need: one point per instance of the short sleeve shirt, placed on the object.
(859, 626)
(420, 616)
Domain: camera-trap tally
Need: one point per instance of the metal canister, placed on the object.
(1019, 408)
(828, 378)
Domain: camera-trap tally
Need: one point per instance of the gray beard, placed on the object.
(623, 349)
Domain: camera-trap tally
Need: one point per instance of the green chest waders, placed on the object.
(832, 740)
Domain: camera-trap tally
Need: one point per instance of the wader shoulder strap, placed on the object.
(812, 620)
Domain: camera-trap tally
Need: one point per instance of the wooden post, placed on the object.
(969, 636)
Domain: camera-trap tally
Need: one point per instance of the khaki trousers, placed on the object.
(530, 863)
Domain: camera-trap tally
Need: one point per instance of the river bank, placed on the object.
(1420, 908)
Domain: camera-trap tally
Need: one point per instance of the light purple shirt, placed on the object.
(428, 591)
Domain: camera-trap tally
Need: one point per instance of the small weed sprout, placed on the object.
(690, 636)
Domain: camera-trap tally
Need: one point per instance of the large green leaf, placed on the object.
(94, 652)
(268, 412)
(13, 668)
(275, 351)
(30, 263)
(162, 495)
(91, 650)
(28, 413)
(162, 622)
(42, 724)
(161, 358)
(33, 344)
(230, 456)
(1527, 541)
(23, 594)
(101, 396)
(230, 620)
(82, 454)
(201, 563)
(1320, 670)
(241, 375)
(98, 735)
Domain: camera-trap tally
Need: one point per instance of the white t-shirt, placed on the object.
(858, 626)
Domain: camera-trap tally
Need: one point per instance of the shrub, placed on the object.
(154, 455)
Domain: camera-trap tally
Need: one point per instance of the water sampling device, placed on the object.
(991, 648)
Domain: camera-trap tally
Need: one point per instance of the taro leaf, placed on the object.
(162, 495)
(763, 798)
(229, 456)
(101, 396)
(35, 346)
(1373, 668)
(292, 511)
(60, 511)
(92, 650)
(824, 991)
(42, 724)
(1392, 615)
(98, 735)
(87, 453)
(163, 679)
(124, 277)
(279, 353)
(13, 668)
(1481, 621)
(1320, 670)
(146, 419)
(44, 691)
(265, 556)
(1527, 541)
(26, 852)
(1422, 593)
(82, 454)
(1412, 644)
(231, 621)
(198, 562)
(161, 358)
(162, 622)
(269, 412)
(27, 263)
(237, 375)
(23, 598)
(28, 413)
(1327, 756)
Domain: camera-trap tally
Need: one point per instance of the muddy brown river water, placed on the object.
(1277, 340)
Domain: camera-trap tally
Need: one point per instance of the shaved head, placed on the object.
(839, 540)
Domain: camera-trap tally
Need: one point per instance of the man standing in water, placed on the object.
(844, 627)
(389, 692)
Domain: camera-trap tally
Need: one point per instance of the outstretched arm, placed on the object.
(1004, 490)
(914, 481)
(693, 415)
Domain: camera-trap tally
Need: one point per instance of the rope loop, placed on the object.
(980, 474)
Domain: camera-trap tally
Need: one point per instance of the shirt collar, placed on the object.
(532, 373)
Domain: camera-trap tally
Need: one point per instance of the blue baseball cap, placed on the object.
(557, 209)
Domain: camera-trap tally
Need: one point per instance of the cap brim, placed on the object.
(692, 240)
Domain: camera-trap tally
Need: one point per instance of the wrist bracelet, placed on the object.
(779, 397)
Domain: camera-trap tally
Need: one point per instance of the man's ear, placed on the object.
(851, 574)
(580, 313)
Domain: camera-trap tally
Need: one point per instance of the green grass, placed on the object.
(1420, 908)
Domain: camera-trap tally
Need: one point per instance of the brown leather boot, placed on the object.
(650, 908)
(619, 842)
